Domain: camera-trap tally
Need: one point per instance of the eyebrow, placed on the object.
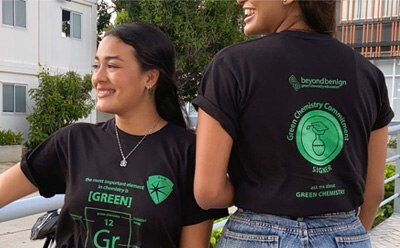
(108, 58)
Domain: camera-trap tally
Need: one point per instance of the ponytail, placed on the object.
(167, 101)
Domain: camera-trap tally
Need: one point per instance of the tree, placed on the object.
(103, 18)
(60, 100)
(198, 29)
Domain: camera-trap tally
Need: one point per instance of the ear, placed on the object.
(287, 2)
(152, 78)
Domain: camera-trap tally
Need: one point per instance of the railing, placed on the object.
(38, 204)
(394, 132)
(30, 206)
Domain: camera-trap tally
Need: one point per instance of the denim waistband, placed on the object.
(345, 214)
(251, 227)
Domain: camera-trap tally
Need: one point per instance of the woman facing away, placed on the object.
(292, 129)
(128, 182)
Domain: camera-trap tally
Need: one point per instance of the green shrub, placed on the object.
(60, 100)
(392, 143)
(216, 233)
(214, 237)
(9, 137)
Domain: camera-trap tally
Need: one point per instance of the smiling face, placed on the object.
(118, 78)
(268, 16)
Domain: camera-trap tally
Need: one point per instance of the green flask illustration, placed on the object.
(318, 145)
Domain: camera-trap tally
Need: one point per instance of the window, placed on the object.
(71, 24)
(370, 9)
(14, 12)
(14, 98)
(393, 87)
(396, 99)
(391, 70)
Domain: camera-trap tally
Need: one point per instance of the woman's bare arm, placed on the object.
(14, 185)
(197, 235)
(374, 188)
(212, 187)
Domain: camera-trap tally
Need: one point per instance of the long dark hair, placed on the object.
(320, 15)
(154, 50)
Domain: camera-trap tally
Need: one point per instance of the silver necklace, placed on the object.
(124, 161)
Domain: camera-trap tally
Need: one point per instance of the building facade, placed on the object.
(57, 34)
(372, 27)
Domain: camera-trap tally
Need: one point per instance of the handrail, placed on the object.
(393, 158)
(389, 199)
(30, 206)
(393, 129)
(392, 178)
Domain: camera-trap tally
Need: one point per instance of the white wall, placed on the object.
(16, 121)
(18, 62)
(19, 51)
(391, 70)
(23, 49)
(64, 54)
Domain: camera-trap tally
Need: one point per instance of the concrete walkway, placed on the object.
(387, 234)
(16, 233)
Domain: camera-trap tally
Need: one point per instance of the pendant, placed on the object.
(123, 163)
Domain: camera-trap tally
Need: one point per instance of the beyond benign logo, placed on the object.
(321, 83)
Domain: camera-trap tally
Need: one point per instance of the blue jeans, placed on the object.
(246, 229)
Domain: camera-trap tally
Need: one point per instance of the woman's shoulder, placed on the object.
(83, 128)
(178, 131)
(172, 133)
(249, 49)
(238, 48)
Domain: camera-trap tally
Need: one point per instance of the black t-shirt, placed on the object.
(300, 108)
(144, 204)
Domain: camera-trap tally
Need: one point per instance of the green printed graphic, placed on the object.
(318, 128)
(115, 199)
(109, 229)
(159, 188)
(319, 137)
(76, 217)
(294, 82)
(319, 83)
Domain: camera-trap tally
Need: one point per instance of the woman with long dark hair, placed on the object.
(292, 129)
(128, 182)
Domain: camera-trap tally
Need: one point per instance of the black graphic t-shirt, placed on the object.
(300, 108)
(144, 204)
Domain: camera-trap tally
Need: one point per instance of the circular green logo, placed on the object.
(319, 137)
